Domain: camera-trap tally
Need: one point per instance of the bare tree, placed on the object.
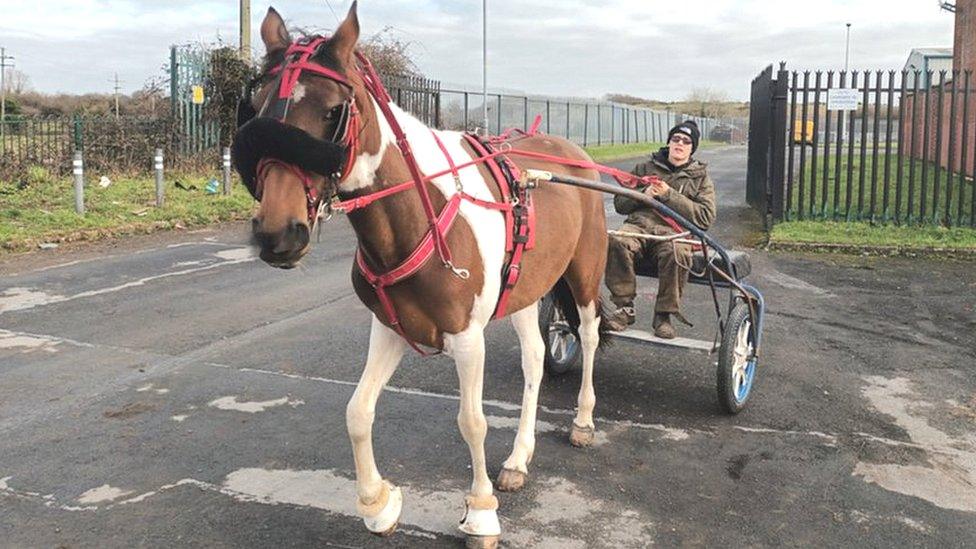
(708, 102)
(17, 82)
(389, 54)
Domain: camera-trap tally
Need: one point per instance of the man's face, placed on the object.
(679, 149)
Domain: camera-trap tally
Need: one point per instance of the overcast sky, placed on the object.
(648, 48)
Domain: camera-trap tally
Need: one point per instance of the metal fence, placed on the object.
(583, 122)
(126, 144)
(903, 155)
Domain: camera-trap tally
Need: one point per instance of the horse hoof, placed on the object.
(384, 523)
(581, 437)
(481, 542)
(511, 480)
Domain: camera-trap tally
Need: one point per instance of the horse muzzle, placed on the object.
(281, 247)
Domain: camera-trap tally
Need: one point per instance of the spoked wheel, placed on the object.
(562, 342)
(736, 361)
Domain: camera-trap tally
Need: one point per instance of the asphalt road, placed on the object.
(173, 390)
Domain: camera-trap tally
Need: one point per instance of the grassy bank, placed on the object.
(41, 208)
(847, 197)
(609, 153)
(864, 235)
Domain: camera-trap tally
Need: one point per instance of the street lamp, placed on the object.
(484, 63)
(847, 53)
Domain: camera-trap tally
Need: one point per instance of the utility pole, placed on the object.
(118, 86)
(847, 52)
(245, 46)
(3, 93)
(484, 62)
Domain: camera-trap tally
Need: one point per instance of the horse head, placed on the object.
(298, 133)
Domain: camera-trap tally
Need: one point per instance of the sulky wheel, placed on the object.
(736, 360)
(562, 342)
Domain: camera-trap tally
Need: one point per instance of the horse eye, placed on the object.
(333, 113)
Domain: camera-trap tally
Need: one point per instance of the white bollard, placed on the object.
(78, 170)
(158, 168)
(226, 163)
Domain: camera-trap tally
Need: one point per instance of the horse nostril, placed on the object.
(299, 231)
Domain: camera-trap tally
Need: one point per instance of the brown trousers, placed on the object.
(624, 252)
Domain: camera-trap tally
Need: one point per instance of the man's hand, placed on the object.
(656, 186)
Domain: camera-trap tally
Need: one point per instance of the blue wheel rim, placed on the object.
(742, 393)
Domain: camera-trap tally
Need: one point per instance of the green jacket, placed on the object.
(692, 194)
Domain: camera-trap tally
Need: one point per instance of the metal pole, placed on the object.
(226, 163)
(847, 52)
(484, 63)
(158, 168)
(78, 170)
(3, 94)
(245, 45)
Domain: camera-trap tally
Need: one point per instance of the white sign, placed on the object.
(843, 99)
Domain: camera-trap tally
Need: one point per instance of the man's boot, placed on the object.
(622, 317)
(662, 326)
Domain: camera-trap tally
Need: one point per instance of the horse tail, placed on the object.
(567, 306)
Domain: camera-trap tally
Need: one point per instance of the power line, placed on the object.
(3, 92)
(118, 86)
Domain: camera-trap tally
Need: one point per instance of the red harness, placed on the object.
(518, 209)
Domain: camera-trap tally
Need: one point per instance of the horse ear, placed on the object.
(273, 32)
(345, 38)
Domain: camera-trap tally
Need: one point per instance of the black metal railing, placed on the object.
(903, 155)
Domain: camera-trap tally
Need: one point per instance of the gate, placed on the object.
(767, 144)
(189, 67)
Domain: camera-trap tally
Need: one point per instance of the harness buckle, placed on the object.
(463, 274)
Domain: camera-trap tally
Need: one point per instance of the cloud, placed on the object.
(647, 48)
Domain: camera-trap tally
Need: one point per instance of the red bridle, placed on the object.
(298, 60)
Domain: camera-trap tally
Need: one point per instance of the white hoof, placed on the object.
(385, 522)
(481, 523)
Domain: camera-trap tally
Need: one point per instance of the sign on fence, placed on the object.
(197, 95)
(842, 99)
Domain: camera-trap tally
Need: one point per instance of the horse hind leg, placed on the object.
(583, 429)
(379, 502)
(480, 520)
(515, 469)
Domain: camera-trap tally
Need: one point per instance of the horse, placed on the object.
(322, 130)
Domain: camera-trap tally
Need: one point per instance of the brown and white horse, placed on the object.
(436, 307)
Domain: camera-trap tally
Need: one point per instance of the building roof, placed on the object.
(933, 52)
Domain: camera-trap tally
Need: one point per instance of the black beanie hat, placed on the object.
(690, 129)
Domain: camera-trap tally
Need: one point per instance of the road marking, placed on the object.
(19, 299)
(948, 480)
(231, 403)
(793, 283)
(28, 343)
(556, 502)
(102, 493)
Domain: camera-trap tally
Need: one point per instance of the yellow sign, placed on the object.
(197, 95)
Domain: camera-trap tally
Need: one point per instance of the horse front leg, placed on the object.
(589, 332)
(379, 502)
(515, 470)
(480, 520)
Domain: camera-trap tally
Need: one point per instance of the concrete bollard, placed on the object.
(158, 168)
(78, 170)
(226, 164)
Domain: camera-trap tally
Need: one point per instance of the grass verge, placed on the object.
(41, 209)
(864, 237)
(609, 153)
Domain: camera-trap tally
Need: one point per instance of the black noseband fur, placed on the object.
(267, 137)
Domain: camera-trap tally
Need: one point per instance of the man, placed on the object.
(681, 183)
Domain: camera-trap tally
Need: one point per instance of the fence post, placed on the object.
(77, 131)
(78, 169)
(777, 162)
(226, 163)
(158, 168)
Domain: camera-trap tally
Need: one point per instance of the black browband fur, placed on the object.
(267, 137)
